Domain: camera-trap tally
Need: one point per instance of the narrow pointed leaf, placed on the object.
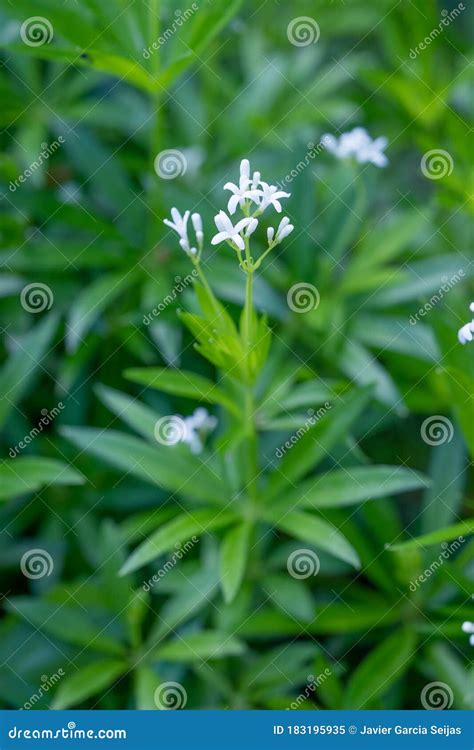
(90, 680)
(354, 485)
(176, 532)
(181, 383)
(317, 442)
(28, 474)
(380, 669)
(309, 528)
(234, 552)
(172, 467)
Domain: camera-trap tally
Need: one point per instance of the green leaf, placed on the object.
(176, 532)
(444, 664)
(68, 623)
(290, 595)
(194, 593)
(354, 485)
(21, 475)
(182, 383)
(421, 278)
(380, 669)
(309, 528)
(145, 683)
(395, 334)
(386, 242)
(461, 387)
(331, 619)
(317, 442)
(443, 500)
(198, 646)
(139, 417)
(233, 560)
(172, 467)
(359, 364)
(89, 681)
(17, 372)
(91, 302)
(435, 537)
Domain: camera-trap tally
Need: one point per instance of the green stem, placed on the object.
(252, 445)
(249, 403)
(248, 317)
(263, 256)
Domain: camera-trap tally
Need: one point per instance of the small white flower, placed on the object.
(245, 190)
(357, 144)
(227, 231)
(466, 332)
(197, 225)
(284, 229)
(251, 227)
(269, 195)
(179, 224)
(468, 627)
(197, 425)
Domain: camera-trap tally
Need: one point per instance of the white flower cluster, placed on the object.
(468, 627)
(196, 427)
(251, 189)
(180, 225)
(357, 144)
(466, 332)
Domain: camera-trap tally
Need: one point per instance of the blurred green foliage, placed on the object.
(390, 253)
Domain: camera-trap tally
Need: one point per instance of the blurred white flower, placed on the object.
(227, 231)
(179, 224)
(359, 145)
(466, 332)
(195, 427)
(468, 627)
